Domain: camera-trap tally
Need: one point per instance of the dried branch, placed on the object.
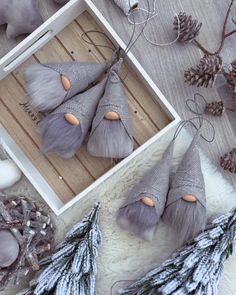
(33, 231)
(14, 224)
(224, 28)
(224, 35)
(203, 49)
(72, 267)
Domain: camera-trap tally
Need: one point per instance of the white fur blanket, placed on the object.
(125, 257)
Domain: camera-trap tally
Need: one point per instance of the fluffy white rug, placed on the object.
(125, 257)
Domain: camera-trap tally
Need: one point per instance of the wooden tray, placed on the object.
(63, 182)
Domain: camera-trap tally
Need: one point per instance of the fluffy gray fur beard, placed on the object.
(138, 219)
(110, 140)
(59, 136)
(44, 87)
(187, 219)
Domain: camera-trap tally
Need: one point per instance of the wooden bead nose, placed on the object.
(148, 201)
(189, 198)
(65, 82)
(134, 6)
(70, 118)
(112, 116)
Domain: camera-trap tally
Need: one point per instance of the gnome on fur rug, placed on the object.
(185, 209)
(145, 204)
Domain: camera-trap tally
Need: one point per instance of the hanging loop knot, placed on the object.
(197, 127)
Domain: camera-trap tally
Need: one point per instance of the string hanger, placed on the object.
(113, 48)
(119, 52)
(198, 127)
(151, 15)
(132, 42)
(202, 106)
(129, 45)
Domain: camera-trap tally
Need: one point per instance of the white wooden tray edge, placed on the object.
(56, 23)
(40, 183)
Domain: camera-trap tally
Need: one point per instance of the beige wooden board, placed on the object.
(69, 177)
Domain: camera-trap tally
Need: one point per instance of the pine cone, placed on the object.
(215, 108)
(233, 64)
(205, 73)
(189, 27)
(230, 76)
(228, 161)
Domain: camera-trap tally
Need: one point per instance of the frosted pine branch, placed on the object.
(194, 268)
(71, 269)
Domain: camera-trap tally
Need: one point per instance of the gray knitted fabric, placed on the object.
(155, 183)
(188, 179)
(114, 100)
(80, 74)
(83, 106)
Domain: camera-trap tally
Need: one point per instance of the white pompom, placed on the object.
(9, 173)
(127, 5)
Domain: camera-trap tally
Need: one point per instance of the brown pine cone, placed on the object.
(189, 27)
(230, 76)
(205, 73)
(233, 64)
(215, 108)
(228, 161)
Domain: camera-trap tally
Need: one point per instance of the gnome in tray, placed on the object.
(141, 212)
(21, 17)
(64, 130)
(52, 84)
(186, 202)
(112, 134)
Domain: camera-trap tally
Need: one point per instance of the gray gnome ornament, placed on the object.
(49, 85)
(145, 204)
(186, 203)
(112, 133)
(64, 130)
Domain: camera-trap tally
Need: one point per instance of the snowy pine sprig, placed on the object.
(194, 268)
(71, 269)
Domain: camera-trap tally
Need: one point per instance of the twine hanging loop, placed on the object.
(127, 5)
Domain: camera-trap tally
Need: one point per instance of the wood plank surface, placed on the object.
(75, 174)
(166, 65)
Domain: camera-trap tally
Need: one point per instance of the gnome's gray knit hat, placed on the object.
(80, 74)
(114, 100)
(188, 179)
(155, 183)
(83, 106)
